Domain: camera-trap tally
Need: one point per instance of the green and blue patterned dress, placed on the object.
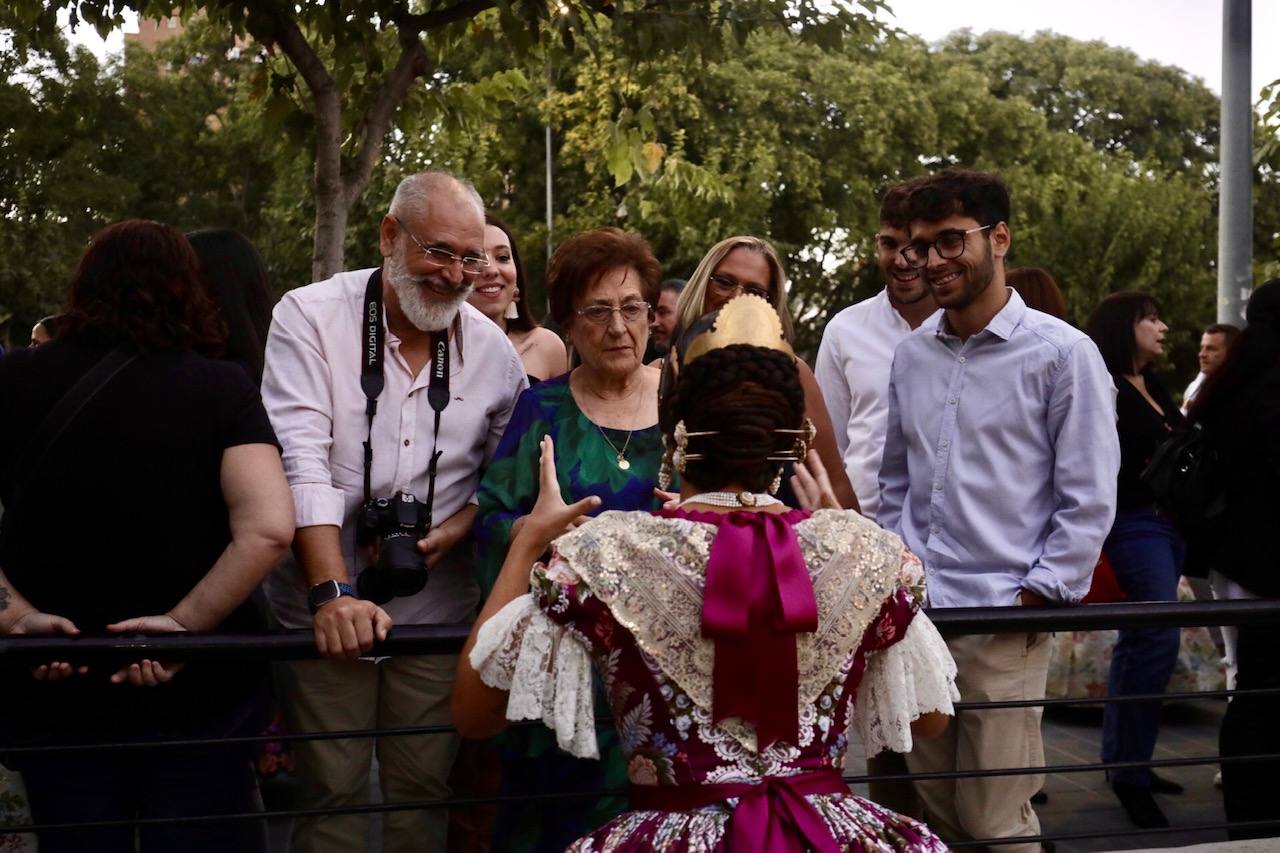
(586, 464)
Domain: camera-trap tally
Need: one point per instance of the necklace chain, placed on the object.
(620, 455)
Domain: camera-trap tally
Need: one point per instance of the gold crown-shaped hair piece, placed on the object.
(745, 319)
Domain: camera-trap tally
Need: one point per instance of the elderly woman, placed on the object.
(751, 265)
(499, 295)
(192, 511)
(603, 416)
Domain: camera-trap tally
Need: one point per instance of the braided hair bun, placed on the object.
(744, 394)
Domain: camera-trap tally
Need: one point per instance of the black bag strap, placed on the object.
(64, 412)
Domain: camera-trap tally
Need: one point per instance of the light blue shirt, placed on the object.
(1001, 456)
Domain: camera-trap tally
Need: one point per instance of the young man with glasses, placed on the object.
(366, 381)
(999, 472)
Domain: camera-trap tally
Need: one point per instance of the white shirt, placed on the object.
(1189, 395)
(852, 370)
(311, 390)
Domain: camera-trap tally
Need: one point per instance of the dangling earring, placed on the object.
(664, 470)
(777, 483)
(513, 310)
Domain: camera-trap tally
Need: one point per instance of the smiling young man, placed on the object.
(852, 367)
(393, 333)
(999, 472)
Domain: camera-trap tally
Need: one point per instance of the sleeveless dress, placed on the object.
(626, 592)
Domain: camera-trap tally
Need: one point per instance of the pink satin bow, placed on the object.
(758, 596)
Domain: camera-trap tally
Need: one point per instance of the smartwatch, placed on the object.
(326, 591)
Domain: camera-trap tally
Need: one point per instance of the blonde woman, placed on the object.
(751, 265)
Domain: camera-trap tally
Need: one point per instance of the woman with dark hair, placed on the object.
(1239, 409)
(500, 295)
(732, 633)
(751, 265)
(183, 510)
(603, 416)
(1038, 289)
(1144, 548)
(236, 278)
(45, 330)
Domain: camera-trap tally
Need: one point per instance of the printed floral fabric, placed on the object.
(1081, 660)
(13, 812)
(626, 590)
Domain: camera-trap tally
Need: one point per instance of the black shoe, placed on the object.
(1048, 846)
(1039, 798)
(1161, 785)
(1140, 806)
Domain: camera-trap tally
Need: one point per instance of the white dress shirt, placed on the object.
(1189, 395)
(852, 370)
(311, 390)
(1001, 458)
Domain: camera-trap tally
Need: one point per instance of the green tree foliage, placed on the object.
(351, 66)
(1111, 160)
(165, 135)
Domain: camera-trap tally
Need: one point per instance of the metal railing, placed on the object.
(448, 639)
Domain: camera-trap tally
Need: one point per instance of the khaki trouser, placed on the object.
(343, 695)
(997, 667)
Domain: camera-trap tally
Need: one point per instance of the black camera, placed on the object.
(399, 522)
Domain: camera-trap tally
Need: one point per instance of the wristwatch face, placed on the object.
(323, 593)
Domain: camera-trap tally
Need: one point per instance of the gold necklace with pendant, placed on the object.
(621, 455)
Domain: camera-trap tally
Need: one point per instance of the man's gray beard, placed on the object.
(426, 314)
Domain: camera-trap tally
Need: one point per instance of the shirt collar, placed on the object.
(890, 314)
(1002, 325)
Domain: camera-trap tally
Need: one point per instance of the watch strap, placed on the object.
(326, 591)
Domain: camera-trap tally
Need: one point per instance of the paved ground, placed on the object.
(1082, 802)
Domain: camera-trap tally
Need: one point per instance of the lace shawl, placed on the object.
(546, 668)
(649, 571)
(912, 677)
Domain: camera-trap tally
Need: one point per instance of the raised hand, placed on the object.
(550, 515)
(811, 484)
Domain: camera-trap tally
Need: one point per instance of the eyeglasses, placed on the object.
(729, 287)
(602, 315)
(471, 264)
(949, 244)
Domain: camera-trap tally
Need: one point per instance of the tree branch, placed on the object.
(440, 17)
(377, 118)
(286, 33)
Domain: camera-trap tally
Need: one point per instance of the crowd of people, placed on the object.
(743, 549)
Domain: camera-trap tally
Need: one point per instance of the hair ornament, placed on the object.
(681, 454)
(804, 437)
(745, 319)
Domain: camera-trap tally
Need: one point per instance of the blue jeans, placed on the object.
(1146, 553)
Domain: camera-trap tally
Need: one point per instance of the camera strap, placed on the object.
(372, 381)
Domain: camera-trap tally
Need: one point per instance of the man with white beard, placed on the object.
(373, 396)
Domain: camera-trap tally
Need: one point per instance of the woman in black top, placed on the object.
(1239, 408)
(159, 508)
(1145, 550)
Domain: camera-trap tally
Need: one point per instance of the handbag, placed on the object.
(1185, 476)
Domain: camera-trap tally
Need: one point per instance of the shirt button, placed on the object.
(406, 442)
(961, 359)
(933, 529)
(953, 400)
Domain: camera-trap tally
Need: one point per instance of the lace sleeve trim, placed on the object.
(546, 669)
(908, 679)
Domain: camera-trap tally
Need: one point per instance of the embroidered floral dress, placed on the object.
(625, 592)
